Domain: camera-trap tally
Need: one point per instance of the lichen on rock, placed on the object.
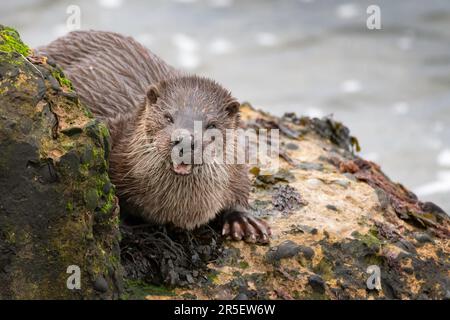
(339, 226)
(52, 154)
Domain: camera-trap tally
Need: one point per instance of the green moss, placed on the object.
(213, 276)
(84, 169)
(10, 237)
(88, 113)
(316, 296)
(304, 262)
(10, 41)
(325, 269)
(189, 296)
(103, 130)
(68, 145)
(63, 81)
(370, 239)
(243, 264)
(109, 205)
(91, 199)
(373, 259)
(138, 290)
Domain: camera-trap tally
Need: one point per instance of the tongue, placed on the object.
(182, 168)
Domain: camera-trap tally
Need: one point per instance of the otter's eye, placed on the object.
(169, 118)
(211, 126)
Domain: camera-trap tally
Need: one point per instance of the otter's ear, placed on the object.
(152, 94)
(232, 108)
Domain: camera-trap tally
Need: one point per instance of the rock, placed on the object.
(350, 176)
(406, 245)
(101, 285)
(319, 253)
(423, 237)
(343, 183)
(287, 249)
(317, 283)
(307, 252)
(291, 146)
(241, 296)
(50, 220)
(315, 183)
(310, 166)
(331, 207)
(382, 198)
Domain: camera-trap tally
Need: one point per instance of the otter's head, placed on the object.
(184, 115)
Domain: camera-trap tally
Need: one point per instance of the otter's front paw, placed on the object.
(243, 226)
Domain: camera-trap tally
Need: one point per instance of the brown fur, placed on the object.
(112, 74)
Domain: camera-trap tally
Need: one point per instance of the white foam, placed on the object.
(347, 11)
(266, 39)
(401, 108)
(185, 1)
(220, 46)
(440, 185)
(433, 143)
(185, 42)
(405, 43)
(110, 4)
(351, 86)
(443, 158)
(188, 60)
(188, 57)
(438, 127)
(221, 3)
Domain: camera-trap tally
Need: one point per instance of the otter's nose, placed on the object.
(184, 140)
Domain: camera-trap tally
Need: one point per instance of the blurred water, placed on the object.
(390, 86)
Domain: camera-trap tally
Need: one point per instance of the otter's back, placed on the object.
(110, 72)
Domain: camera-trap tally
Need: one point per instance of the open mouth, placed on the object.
(182, 169)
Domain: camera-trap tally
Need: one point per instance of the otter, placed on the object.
(143, 100)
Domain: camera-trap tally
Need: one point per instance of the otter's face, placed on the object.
(184, 118)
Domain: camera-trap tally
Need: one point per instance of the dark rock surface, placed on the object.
(54, 210)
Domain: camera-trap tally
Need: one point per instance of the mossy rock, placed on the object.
(57, 205)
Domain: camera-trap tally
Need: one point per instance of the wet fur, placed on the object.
(112, 74)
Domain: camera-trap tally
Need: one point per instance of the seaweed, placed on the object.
(286, 199)
(404, 202)
(166, 255)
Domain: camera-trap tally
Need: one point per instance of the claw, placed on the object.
(241, 225)
(226, 229)
(265, 238)
(251, 238)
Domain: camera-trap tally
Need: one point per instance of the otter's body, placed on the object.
(143, 100)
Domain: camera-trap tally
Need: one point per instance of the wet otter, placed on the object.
(143, 100)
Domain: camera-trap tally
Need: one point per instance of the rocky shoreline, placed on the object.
(333, 214)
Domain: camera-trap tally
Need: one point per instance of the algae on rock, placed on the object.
(57, 206)
(347, 217)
